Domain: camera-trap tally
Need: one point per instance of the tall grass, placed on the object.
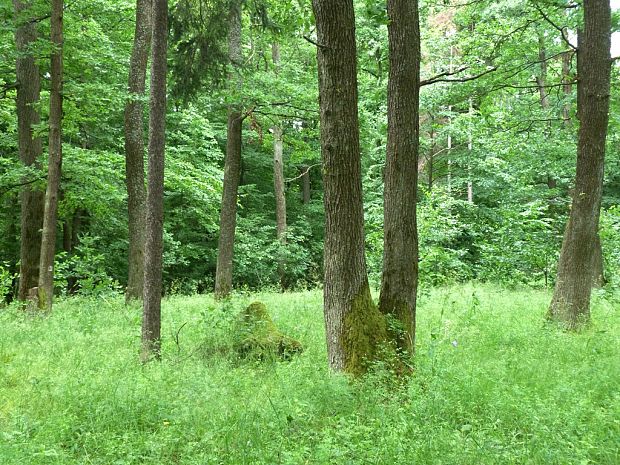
(493, 384)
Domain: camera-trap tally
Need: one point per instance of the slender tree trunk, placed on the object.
(48, 241)
(571, 297)
(399, 281)
(278, 183)
(232, 169)
(354, 326)
(151, 315)
(30, 149)
(541, 79)
(305, 184)
(567, 58)
(134, 150)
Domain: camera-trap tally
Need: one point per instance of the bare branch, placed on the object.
(302, 174)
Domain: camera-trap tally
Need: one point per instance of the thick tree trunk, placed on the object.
(399, 281)
(232, 169)
(30, 149)
(354, 326)
(598, 265)
(134, 150)
(48, 241)
(571, 297)
(151, 315)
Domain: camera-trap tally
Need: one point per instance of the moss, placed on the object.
(365, 333)
(257, 336)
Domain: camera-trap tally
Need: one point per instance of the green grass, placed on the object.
(514, 390)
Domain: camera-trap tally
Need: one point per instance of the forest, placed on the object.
(310, 232)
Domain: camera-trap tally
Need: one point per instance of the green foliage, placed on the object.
(498, 387)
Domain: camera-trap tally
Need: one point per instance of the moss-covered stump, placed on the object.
(256, 336)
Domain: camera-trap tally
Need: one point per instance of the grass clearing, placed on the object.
(494, 384)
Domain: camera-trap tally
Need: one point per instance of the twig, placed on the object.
(427, 82)
(176, 337)
(561, 29)
(302, 174)
(321, 46)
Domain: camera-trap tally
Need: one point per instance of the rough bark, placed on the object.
(232, 169)
(598, 265)
(571, 298)
(399, 280)
(151, 314)
(134, 150)
(48, 240)
(30, 149)
(354, 327)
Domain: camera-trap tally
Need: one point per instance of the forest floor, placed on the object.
(494, 384)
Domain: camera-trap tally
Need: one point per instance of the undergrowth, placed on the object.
(493, 384)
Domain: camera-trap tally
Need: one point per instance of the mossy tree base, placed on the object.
(256, 336)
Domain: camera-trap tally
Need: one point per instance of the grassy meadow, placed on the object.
(494, 384)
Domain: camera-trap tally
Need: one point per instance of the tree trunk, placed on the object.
(399, 281)
(278, 183)
(567, 58)
(354, 326)
(134, 150)
(151, 316)
(30, 149)
(232, 169)
(571, 297)
(598, 265)
(541, 80)
(48, 241)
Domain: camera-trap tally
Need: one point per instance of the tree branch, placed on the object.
(302, 174)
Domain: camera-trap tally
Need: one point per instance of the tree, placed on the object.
(151, 315)
(48, 241)
(30, 148)
(354, 326)
(278, 179)
(399, 280)
(571, 296)
(134, 150)
(232, 167)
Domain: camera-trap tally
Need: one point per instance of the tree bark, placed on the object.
(151, 315)
(232, 169)
(571, 298)
(30, 150)
(305, 184)
(399, 280)
(541, 80)
(598, 265)
(278, 184)
(354, 326)
(48, 241)
(134, 150)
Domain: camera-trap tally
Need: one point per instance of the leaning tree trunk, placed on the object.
(30, 149)
(354, 326)
(232, 169)
(48, 241)
(571, 297)
(399, 281)
(151, 314)
(134, 151)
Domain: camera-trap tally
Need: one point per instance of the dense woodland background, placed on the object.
(512, 132)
